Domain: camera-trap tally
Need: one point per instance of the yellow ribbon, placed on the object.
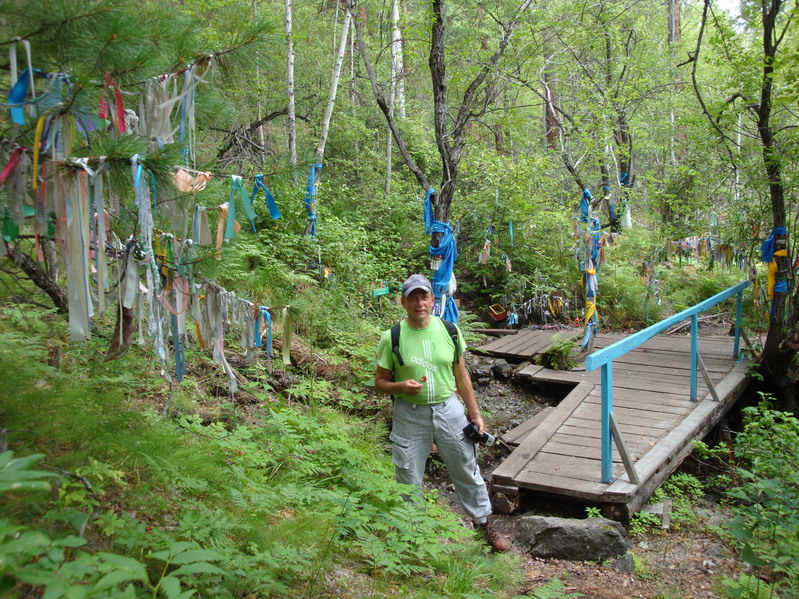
(772, 272)
(590, 310)
(37, 142)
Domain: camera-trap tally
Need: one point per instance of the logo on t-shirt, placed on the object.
(424, 363)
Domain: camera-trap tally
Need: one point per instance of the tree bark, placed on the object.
(292, 117)
(331, 100)
(397, 60)
(40, 278)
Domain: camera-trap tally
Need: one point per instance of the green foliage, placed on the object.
(168, 506)
(33, 559)
(640, 568)
(748, 587)
(553, 589)
(16, 473)
(593, 512)
(767, 497)
(684, 490)
(559, 353)
(688, 286)
(624, 299)
(643, 523)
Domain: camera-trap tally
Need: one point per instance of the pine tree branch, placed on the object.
(103, 8)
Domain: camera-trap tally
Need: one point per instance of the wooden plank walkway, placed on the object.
(558, 451)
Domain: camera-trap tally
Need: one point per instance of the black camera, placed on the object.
(471, 432)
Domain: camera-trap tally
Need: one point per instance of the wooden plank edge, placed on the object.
(516, 435)
(533, 443)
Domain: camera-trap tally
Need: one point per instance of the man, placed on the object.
(426, 409)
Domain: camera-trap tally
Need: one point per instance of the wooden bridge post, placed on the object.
(606, 374)
(694, 352)
(739, 306)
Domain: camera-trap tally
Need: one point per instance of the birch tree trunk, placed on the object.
(261, 139)
(397, 60)
(331, 99)
(292, 116)
(397, 98)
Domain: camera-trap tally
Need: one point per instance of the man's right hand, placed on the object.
(410, 387)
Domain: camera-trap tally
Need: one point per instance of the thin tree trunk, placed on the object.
(331, 100)
(292, 116)
(675, 33)
(354, 102)
(397, 60)
(550, 116)
(261, 139)
(392, 97)
(382, 103)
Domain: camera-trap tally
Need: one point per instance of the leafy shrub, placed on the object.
(767, 512)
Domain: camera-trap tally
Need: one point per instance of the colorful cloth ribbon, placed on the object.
(274, 211)
(310, 199)
(236, 186)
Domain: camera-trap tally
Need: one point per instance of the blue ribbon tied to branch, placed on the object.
(585, 204)
(767, 247)
(447, 250)
(274, 211)
(310, 198)
(236, 186)
(264, 312)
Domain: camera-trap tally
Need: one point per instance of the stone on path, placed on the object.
(590, 539)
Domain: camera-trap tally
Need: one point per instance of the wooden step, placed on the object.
(518, 434)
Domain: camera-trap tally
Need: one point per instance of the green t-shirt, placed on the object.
(428, 353)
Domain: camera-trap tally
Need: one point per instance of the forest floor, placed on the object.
(668, 564)
(689, 562)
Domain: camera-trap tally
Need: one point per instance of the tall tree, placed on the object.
(772, 127)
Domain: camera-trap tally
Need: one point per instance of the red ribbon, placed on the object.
(103, 109)
(12, 164)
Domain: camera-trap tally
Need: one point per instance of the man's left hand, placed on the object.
(478, 420)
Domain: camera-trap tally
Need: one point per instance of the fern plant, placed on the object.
(558, 355)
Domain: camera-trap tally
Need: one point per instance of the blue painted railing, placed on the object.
(604, 357)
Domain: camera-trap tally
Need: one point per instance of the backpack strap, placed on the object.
(453, 332)
(395, 332)
(395, 335)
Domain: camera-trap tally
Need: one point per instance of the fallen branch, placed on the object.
(683, 325)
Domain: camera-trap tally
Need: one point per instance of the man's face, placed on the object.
(418, 304)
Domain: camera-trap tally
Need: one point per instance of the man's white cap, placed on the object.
(416, 282)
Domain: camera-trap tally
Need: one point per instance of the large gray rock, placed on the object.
(501, 370)
(591, 539)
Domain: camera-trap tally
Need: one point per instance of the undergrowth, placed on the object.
(130, 503)
(766, 502)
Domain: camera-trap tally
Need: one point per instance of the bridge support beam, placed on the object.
(694, 353)
(606, 375)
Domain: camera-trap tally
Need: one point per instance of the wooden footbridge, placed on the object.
(631, 417)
